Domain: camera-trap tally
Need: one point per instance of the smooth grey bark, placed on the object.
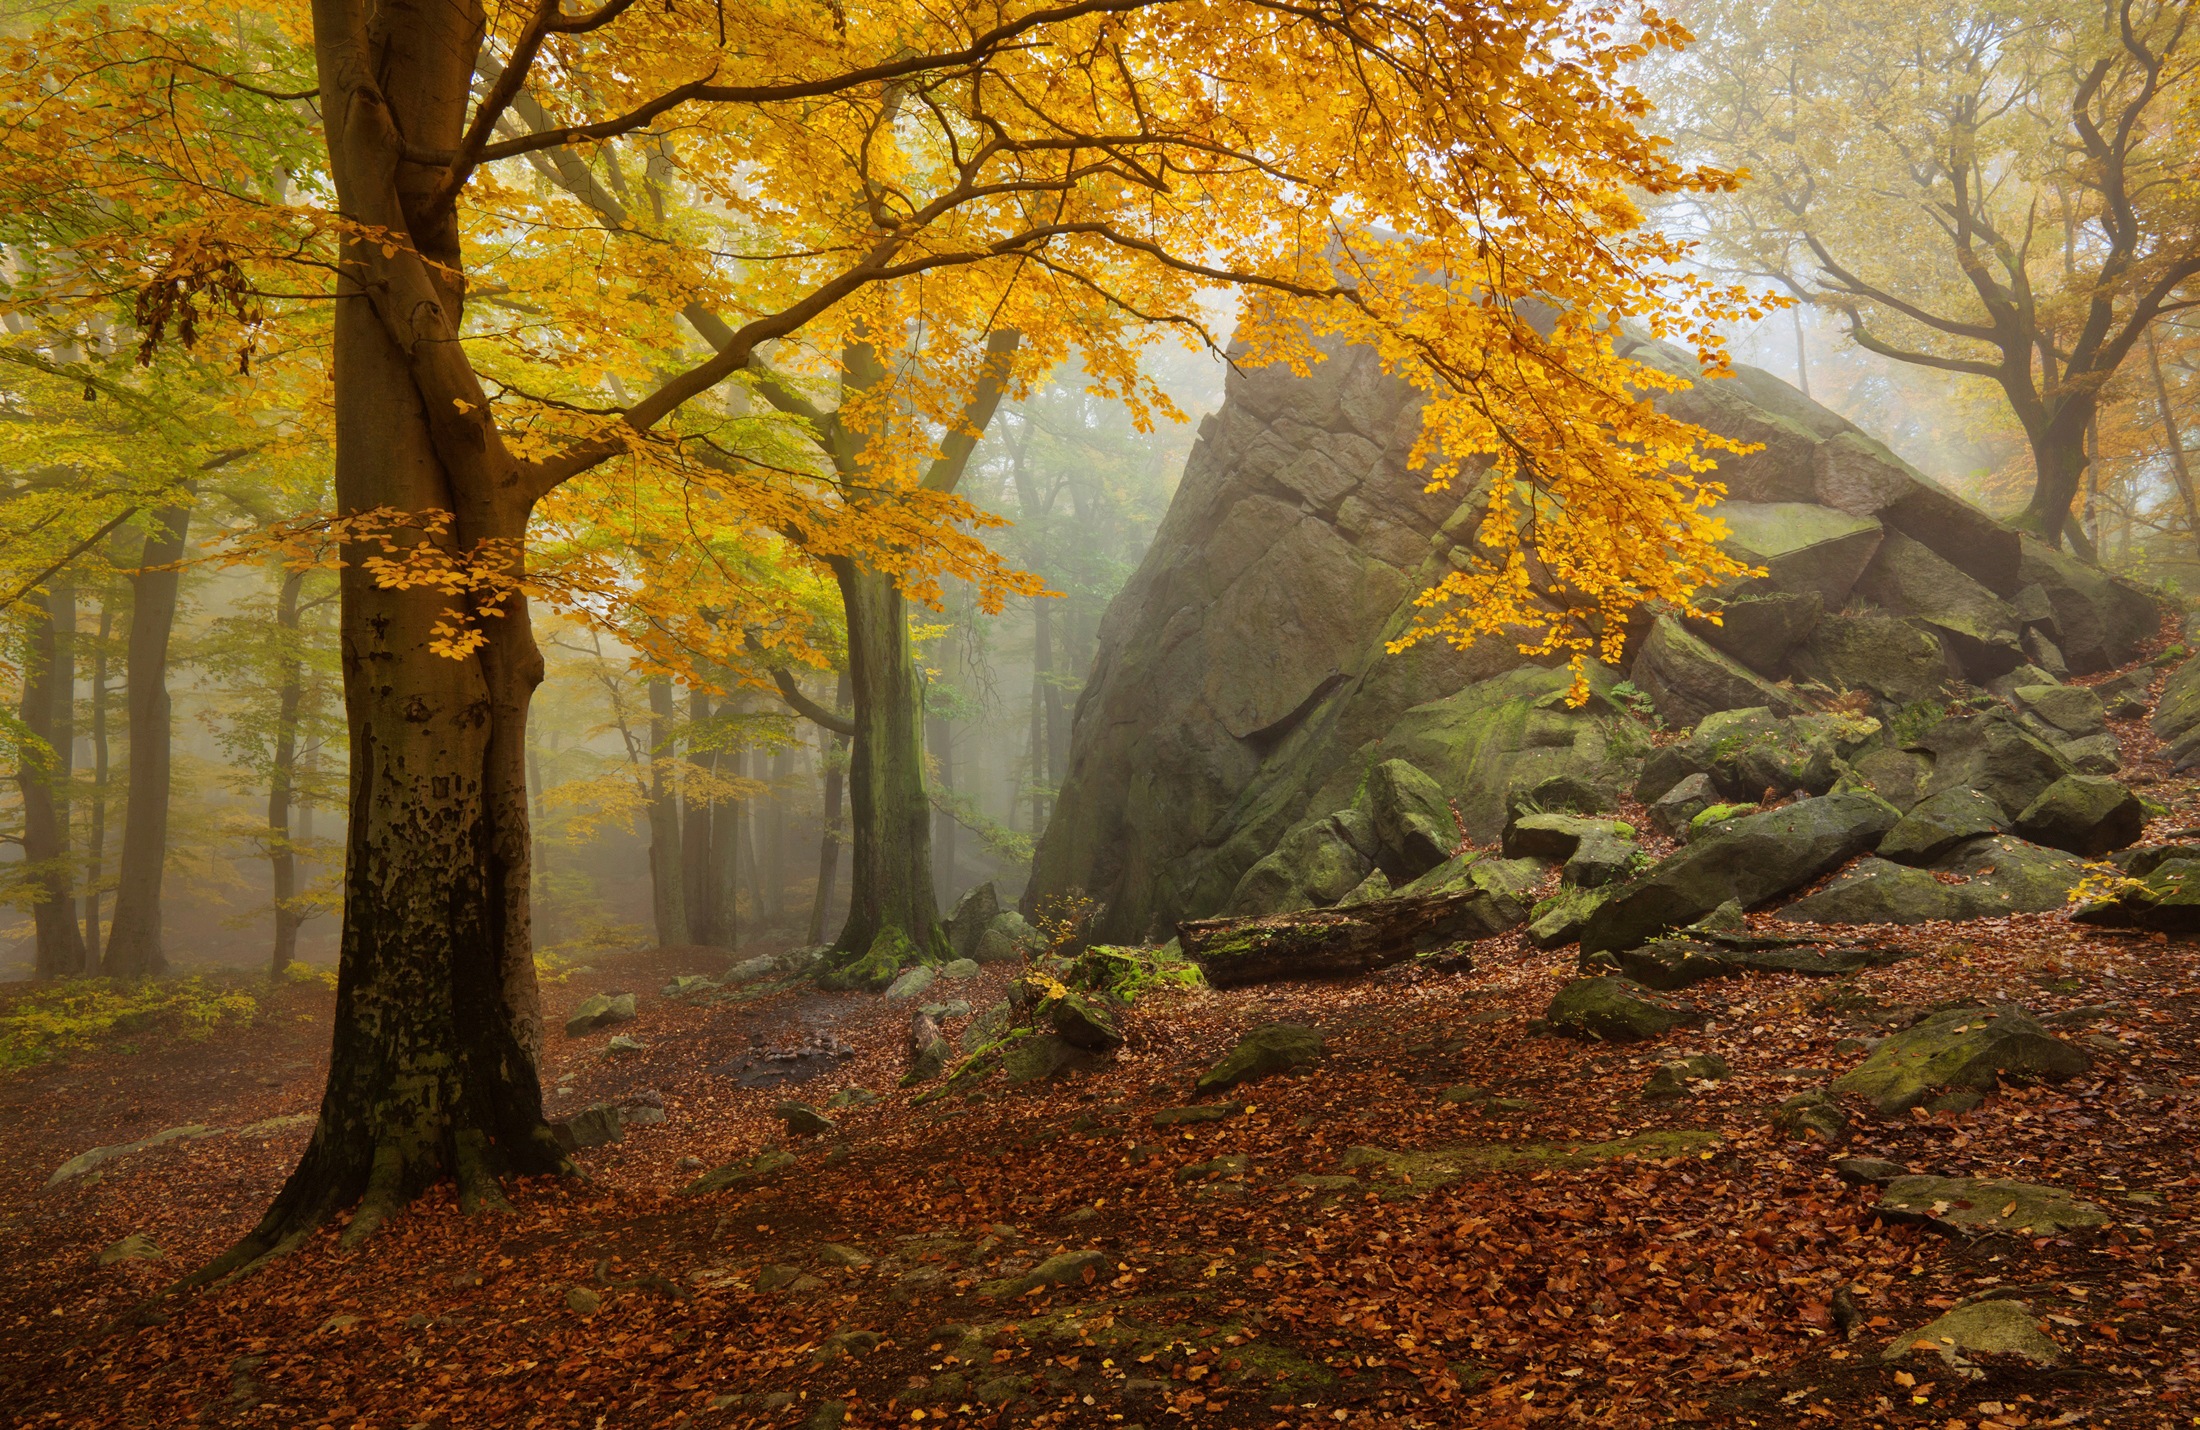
(282, 858)
(699, 888)
(134, 948)
(668, 901)
(42, 772)
(891, 815)
(834, 750)
(95, 836)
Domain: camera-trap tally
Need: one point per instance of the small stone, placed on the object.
(600, 1011)
(688, 1164)
(1868, 1171)
(1183, 1116)
(1812, 1116)
(1615, 1010)
(833, 1253)
(621, 1045)
(596, 1126)
(1673, 1079)
(910, 983)
(1979, 1205)
(134, 1247)
(777, 1278)
(2001, 1328)
(960, 968)
(850, 1097)
(802, 1119)
(1058, 1270)
(1264, 1052)
(581, 1301)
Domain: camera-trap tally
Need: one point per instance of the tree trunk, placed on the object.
(433, 1068)
(282, 859)
(774, 860)
(941, 737)
(695, 835)
(667, 868)
(42, 773)
(134, 940)
(728, 823)
(834, 752)
(891, 896)
(1042, 665)
(95, 837)
(2058, 463)
(2179, 467)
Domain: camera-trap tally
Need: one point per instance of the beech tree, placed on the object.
(1998, 190)
(1037, 168)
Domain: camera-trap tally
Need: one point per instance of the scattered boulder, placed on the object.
(1977, 1205)
(2125, 696)
(802, 1120)
(1036, 1058)
(1983, 879)
(1265, 1051)
(928, 1050)
(911, 982)
(2166, 899)
(1010, 939)
(1759, 628)
(1555, 837)
(1673, 1079)
(1687, 679)
(1669, 964)
(84, 1162)
(1961, 1050)
(1560, 918)
(1812, 1117)
(2100, 621)
(1204, 1112)
(600, 1010)
(1616, 1010)
(2059, 712)
(1991, 753)
(1875, 652)
(1314, 866)
(686, 984)
(1750, 751)
(767, 1163)
(2085, 814)
(596, 1126)
(959, 969)
(1896, 776)
(1415, 829)
(749, 970)
(1979, 628)
(1672, 812)
(974, 913)
(135, 1247)
(1868, 1171)
(1806, 549)
(1983, 1328)
(1062, 1269)
(1756, 858)
(1083, 1023)
(2101, 754)
(1936, 825)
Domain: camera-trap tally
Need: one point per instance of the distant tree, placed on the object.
(1998, 189)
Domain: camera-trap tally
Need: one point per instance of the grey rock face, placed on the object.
(600, 1010)
(1962, 1050)
(974, 914)
(1241, 693)
(1991, 753)
(2085, 814)
(1671, 812)
(1998, 876)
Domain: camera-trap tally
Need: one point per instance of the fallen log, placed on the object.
(1337, 943)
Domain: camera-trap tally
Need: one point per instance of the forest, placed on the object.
(1099, 713)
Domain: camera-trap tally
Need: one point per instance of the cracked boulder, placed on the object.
(2088, 815)
(1976, 1205)
(1617, 1010)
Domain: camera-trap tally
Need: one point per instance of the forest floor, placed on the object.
(1568, 1253)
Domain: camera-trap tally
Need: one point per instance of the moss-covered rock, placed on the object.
(1750, 751)
(1936, 825)
(2166, 899)
(1084, 1023)
(1559, 919)
(1757, 858)
(1963, 1049)
(601, 1010)
(2085, 814)
(1673, 813)
(1676, 1079)
(1414, 827)
(768, 1163)
(1616, 1010)
(1036, 1058)
(1315, 865)
(1265, 1051)
(1975, 1205)
(1812, 1117)
(1983, 1328)
(1875, 652)
(890, 952)
(1062, 1269)
(1979, 627)
(1990, 752)
(1687, 679)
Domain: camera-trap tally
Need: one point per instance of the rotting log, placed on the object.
(1335, 943)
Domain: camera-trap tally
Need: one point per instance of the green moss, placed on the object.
(1914, 719)
(1408, 1174)
(1128, 974)
(1719, 813)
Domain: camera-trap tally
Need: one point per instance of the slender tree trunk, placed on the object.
(834, 757)
(1042, 666)
(941, 737)
(2179, 467)
(134, 941)
(728, 822)
(891, 895)
(281, 857)
(1802, 353)
(433, 1069)
(695, 836)
(774, 860)
(95, 837)
(667, 871)
(59, 948)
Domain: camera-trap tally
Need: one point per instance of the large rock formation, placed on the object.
(1242, 701)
